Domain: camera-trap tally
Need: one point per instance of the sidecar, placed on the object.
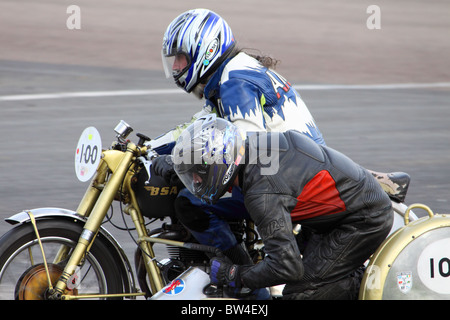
(413, 263)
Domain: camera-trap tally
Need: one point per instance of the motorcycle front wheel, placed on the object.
(23, 275)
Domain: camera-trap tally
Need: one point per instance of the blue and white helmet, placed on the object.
(204, 38)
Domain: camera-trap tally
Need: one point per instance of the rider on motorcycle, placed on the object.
(340, 202)
(199, 52)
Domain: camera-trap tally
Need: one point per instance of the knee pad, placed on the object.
(193, 217)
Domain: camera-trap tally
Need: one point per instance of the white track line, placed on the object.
(388, 86)
(87, 94)
(90, 94)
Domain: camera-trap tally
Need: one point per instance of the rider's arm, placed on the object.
(165, 143)
(283, 262)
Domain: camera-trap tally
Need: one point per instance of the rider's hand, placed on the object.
(163, 166)
(223, 272)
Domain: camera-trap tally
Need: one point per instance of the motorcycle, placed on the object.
(61, 254)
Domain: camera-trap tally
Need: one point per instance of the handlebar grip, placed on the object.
(201, 247)
(142, 139)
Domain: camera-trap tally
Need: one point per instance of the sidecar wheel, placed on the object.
(22, 272)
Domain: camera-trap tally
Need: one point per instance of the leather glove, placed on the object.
(163, 166)
(224, 272)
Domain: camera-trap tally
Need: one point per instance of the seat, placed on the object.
(395, 184)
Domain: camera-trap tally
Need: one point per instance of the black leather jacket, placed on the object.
(300, 182)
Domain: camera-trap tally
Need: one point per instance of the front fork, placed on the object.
(95, 205)
(148, 254)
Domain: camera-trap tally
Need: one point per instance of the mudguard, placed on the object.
(59, 213)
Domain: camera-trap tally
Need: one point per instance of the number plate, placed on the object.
(88, 154)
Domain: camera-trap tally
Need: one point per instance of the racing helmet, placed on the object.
(207, 156)
(205, 40)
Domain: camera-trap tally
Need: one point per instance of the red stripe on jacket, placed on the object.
(319, 197)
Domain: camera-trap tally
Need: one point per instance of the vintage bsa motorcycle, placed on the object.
(60, 254)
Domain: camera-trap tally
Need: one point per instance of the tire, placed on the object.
(22, 271)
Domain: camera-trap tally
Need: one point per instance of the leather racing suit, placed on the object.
(343, 206)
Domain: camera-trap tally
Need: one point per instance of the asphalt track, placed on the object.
(380, 96)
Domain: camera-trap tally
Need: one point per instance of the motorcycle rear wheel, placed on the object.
(22, 272)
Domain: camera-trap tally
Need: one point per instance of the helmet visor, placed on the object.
(194, 177)
(176, 65)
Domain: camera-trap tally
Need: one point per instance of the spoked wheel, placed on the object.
(23, 274)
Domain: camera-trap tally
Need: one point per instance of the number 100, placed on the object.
(88, 154)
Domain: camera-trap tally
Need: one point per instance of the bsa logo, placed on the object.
(164, 191)
(404, 281)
